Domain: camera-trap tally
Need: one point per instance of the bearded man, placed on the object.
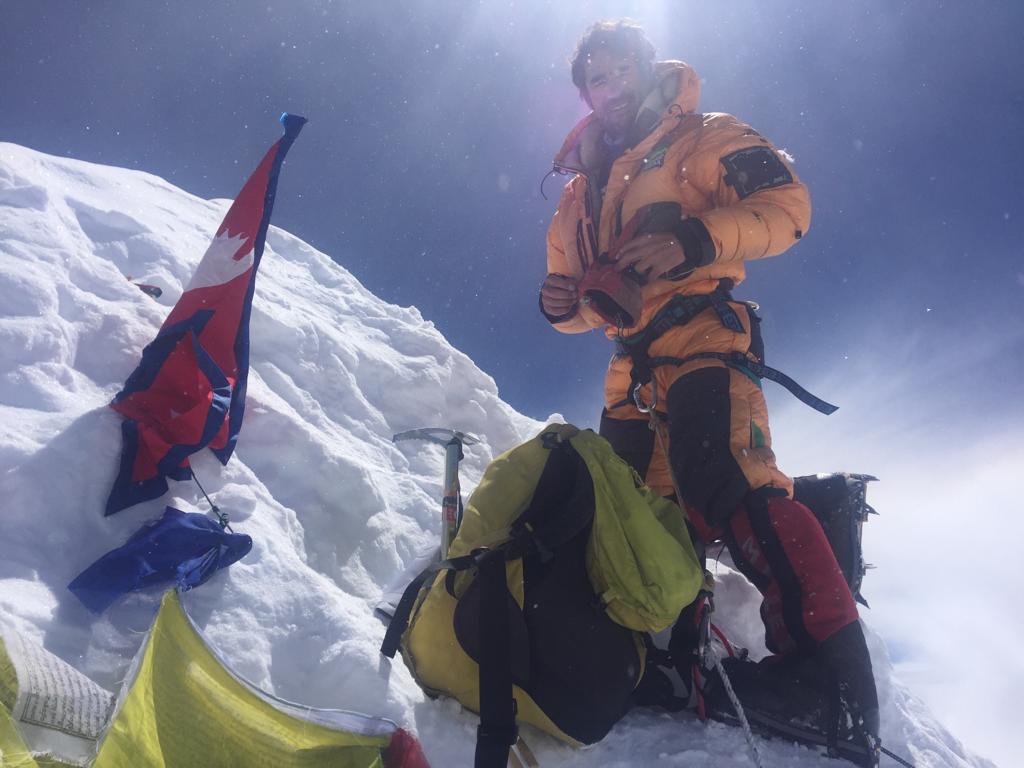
(664, 208)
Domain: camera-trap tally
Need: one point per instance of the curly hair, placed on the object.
(623, 37)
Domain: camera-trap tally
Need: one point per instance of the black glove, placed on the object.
(691, 234)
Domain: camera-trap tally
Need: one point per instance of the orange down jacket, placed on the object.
(749, 203)
(680, 160)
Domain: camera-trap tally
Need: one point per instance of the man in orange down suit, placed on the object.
(664, 207)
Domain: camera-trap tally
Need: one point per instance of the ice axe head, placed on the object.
(439, 435)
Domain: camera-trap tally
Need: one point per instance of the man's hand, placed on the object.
(651, 255)
(559, 295)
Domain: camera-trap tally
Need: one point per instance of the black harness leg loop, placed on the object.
(745, 364)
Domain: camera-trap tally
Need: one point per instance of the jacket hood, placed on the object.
(676, 93)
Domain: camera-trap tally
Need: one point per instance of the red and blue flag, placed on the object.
(189, 390)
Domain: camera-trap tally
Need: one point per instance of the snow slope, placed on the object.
(335, 509)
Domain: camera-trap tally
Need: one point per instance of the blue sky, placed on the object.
(432, 124)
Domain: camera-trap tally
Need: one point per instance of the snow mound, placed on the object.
(335, 509)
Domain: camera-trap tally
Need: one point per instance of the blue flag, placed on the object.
(183, 548)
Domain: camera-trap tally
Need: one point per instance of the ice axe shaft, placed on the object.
(451, 507)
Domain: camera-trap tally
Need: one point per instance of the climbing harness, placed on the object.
(680, 310)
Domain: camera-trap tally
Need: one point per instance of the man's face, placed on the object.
(615, 87)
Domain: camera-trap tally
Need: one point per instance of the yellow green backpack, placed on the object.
(562, 561)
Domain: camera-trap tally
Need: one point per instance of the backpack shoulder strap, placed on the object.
(400, 619)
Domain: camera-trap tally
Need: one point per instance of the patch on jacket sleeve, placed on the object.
(755, 168)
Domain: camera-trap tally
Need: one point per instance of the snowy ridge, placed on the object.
(334, 508)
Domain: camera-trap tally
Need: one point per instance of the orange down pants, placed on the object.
(719, 448)
(724, 404)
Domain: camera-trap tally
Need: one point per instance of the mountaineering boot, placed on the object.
(846, 655)
(775, 693)
(794, 700)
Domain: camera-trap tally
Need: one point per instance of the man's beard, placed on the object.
(618, 122)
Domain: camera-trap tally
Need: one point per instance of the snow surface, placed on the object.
(335, 509)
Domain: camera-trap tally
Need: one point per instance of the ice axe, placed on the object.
(451, 501)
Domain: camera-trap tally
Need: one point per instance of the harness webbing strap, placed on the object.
(742, 363)
(680, 310)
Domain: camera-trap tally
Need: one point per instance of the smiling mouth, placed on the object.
(618, 116)
(621, 108)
